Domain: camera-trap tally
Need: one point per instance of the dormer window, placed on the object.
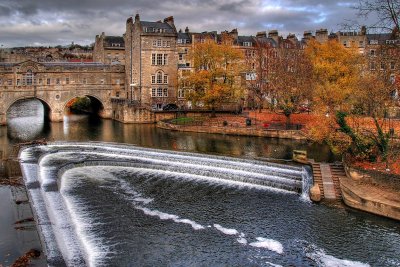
(149, 29)
(247, 44)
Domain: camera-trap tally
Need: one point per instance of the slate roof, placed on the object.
(242, 39)
(184, 35)
(268, 40)
(157, 25)
(110, 40)
(380, 37)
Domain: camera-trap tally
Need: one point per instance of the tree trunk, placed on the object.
(287, 121)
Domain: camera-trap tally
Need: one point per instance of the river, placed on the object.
(223, 224)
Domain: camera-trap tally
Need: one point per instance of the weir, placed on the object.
(44, 167)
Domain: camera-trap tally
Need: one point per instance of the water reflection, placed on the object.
(30, 125)
(25, 120)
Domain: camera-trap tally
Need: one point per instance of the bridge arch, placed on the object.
(97, 105)
(48, 109)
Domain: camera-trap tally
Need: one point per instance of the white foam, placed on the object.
(143, 200)
(226, 231)
(323, 259)
(270, 244)
(241, 239)
(273, 264)
(175, 218)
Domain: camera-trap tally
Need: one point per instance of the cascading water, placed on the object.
(102, 204)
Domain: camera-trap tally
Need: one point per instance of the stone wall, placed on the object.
(363, 191)
(248, 131)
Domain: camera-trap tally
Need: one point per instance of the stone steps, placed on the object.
(327, 177)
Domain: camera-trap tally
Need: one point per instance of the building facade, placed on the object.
(148, 66)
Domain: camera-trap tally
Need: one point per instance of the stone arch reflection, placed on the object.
(27, 119)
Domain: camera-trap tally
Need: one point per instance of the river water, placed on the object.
(125, 216)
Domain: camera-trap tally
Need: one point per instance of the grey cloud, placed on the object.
(80, 21)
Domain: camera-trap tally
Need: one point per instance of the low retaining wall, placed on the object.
(367, 196)
(248, 131)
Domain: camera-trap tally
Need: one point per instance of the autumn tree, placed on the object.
(291, 81)
(336, 72)
(217, 68)
(259, 60)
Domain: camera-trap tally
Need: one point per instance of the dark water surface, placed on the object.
(132, 216)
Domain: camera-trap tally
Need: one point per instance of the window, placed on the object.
(159, 77)
(153, 59)
(67, 80)
(181, 93)
(84, 81)
(48, 81)
(153, 92)
(392, 65)
(117, 81)
(28, 78)
(383, 66)
(165, 62)
(18, 82)
(166, 79)
(1, 81)
(159, 42)
(372, 66)
(9, 82)
(149, 29)
(392, 78)
(247, 44)
(187, 64)
(168, 43)
(58, 81)
(154, 42)
(165, 92)
(159, 59)
(372, 52)
(373, 42)
(153, 79)
(180, 57)
(361, 44)
(344, 43)
(40, 81)
(117, 94)
(102, 81)
(159, 92)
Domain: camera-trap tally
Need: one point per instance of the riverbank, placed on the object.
(361, 191)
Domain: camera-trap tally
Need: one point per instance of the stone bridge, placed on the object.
(56, 84)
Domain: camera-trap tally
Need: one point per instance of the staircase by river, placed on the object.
(327, 177)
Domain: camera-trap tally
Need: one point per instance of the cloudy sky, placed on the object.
(53, 22)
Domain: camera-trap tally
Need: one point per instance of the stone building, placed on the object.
(46, 54)
(151, 61)
(109, 49)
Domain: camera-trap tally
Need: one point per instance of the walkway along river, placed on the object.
(129, 217)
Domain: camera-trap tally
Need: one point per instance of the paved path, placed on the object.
(327, 181)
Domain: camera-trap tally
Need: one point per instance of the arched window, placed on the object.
(159, 77)
(28, 77)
